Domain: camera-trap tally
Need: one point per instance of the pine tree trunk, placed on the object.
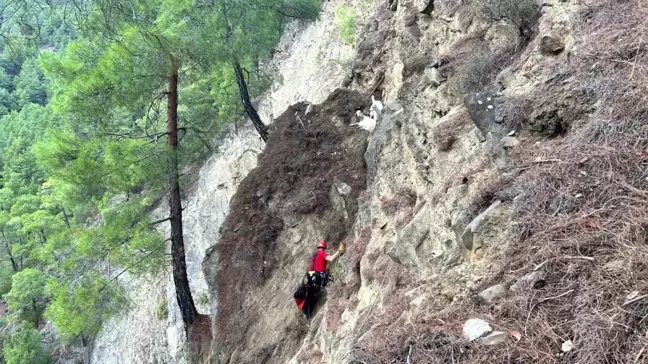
(35, 313)
(178, 261)
(247, 104)
(43, 237)
(11, 258)
(65, 217)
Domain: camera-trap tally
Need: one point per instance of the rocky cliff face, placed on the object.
(488, 219)
(470, 87)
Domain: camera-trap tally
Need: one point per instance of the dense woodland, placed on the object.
(102, 105)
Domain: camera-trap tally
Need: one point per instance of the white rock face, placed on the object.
(310, 63)
(115, 343)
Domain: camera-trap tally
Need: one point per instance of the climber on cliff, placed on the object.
(316, 278)
(318, 274)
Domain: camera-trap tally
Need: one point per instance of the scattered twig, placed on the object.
(639, 355)
(537, 267)
(542, 301)
(639, 298)
(634, 64)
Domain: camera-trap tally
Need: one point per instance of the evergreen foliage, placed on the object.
(83, 151)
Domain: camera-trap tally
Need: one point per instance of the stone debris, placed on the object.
(497, 337)
(475, 328)
(567, 346)
(533, 280)
(489, 295)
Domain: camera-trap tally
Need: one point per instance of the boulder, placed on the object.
(503, 35)
(497, 337)
(491, 114)
(467, 236)
(491, 294)
(392, 118)
(552, 44)
(411, 237)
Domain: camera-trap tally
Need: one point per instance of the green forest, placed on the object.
(103, 104)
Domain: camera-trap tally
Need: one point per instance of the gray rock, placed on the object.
(510, 142)
(480, 136)
(533, 280)
(615, 266)
(552, 44)
(467, 235)
(503, 34)
(491, 114)
(481, 108)
(474, 328)
(411, 237)
(339, 195)
(342, 188)
(489, 295)
(497, 337)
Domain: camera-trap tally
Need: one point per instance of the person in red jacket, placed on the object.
(318, 275)
(322, 257)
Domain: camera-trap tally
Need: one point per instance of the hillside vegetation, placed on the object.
(101, 104)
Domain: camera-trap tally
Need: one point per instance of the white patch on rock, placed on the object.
(475, 328)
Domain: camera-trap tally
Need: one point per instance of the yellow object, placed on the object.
(311, 272)
(341, 249)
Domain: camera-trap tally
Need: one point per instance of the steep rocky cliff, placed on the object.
(489, 201)
(500, 214)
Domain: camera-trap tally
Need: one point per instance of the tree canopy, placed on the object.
(84, 158)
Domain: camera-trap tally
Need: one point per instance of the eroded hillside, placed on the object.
(505, 182)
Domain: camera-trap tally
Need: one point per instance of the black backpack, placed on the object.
(301, 292)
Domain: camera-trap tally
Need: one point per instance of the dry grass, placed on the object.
(446, 133)
(583, 203)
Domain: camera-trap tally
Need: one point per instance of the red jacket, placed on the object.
(319, 263)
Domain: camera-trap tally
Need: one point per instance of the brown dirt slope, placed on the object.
(304, 155)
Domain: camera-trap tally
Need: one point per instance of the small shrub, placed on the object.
(471, 75)
(347, 22)
(445, 134)
(162, 310)
(523, 13)
(203, 298)
(302, 9)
